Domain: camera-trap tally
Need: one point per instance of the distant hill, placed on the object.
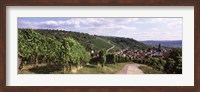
(94, 42)
(176, 43)
(126, 42)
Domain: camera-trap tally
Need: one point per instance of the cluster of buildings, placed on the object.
(151, 52)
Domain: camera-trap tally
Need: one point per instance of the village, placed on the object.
(140, 54)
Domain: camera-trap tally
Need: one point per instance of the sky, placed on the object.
(140, 29)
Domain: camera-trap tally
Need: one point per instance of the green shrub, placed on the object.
(110, 59)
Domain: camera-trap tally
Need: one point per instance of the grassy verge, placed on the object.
(108, 69)
(149, 70)
(88, 69)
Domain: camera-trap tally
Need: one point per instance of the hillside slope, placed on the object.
(127, 43)
(94, 42)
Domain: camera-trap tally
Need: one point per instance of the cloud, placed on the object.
(83, 24)
(154, 29)
(175, 24)
(171, 23)
(141, 36)
(98, 22)
(137, 28)
(109, 30)
(48, 24)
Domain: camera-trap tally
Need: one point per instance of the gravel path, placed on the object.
(131, 69)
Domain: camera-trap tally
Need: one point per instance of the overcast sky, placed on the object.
(137, 28)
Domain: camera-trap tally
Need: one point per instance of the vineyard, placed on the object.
(35, 49)
(47, 51)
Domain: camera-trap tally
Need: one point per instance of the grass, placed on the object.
(88, 69)
(108, 69)
(149, 70)
(42, 69)
(100, 43)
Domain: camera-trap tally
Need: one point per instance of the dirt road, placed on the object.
(110, 48)
(131, 69)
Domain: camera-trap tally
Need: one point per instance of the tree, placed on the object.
(159, 47)
(102, 57)
(110, 58)
(74, 54)
(178, 65)
(175, 52)
(169, 66)
(30, 45)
